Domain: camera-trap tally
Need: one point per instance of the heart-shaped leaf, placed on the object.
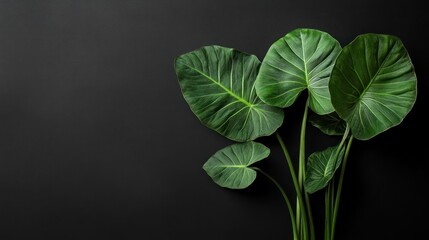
(329, 124)
(321, 168)
(373, 85)
(219, 85)
(229, 167)
(303, 59)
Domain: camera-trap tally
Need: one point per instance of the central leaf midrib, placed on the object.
(303, 59)
(378, 71)
(326, 171)
(223, 87)
(233, 166)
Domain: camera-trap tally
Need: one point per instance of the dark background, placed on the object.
(96, 141)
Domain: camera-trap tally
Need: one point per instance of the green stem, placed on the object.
(328, 210)
(332, 195)
(343, 140)
(301, 172)
(340, 186)
(301, 162)
(310, 216)
(295, 182)
(289, 206)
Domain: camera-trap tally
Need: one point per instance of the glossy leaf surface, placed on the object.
(373, 84)
(321, 168)
(229, 167)
(303, 59)
(330, 124)
(218, 83)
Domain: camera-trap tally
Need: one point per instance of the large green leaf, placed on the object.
(330, 124)
(303, 59)
(219, 85)
(321, 168)
(373, 84)
(229, 167)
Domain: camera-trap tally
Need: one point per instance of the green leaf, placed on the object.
(229, 167)
(303, 59)
(321, 168)
(330, 124)
(373, 84)
(218, 83)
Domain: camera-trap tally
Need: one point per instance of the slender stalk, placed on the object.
(332, 195)
(328, 209)
(340, 186)
(343, 140)
(301, 163)
(301, 172)
(310, 216)
(289, 206)
(298, 190)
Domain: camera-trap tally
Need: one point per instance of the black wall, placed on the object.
(96, 141)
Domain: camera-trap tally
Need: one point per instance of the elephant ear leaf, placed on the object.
(330, 124)
(218, 83)
(321, 168)
(302, 59)
(229, 167)
(373, 85)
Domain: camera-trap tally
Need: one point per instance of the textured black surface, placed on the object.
(96, 141)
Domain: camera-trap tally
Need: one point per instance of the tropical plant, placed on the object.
(357, 92)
